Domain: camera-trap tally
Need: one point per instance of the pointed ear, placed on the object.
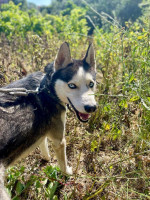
(90, 57)
(63, 57)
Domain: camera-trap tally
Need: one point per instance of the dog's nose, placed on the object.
(89, 108)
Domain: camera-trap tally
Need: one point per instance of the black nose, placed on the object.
(89, 108)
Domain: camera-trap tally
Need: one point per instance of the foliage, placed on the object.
(47, 181)
(22, 3)
(70, 24)
(123, 57)
(14, 21)
(122, 11)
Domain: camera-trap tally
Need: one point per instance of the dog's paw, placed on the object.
(68, 171)
(47, 158)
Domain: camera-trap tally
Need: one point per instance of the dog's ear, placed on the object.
(63, 57)
(90, 57)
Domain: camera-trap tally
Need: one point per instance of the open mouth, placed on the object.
(81, 116)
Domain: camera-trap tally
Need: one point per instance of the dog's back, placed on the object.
(31, 82)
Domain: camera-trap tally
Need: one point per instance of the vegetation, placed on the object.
(123, 10)
(110, 155)
(14, 21)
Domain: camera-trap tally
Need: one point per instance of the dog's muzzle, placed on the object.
(83, 117)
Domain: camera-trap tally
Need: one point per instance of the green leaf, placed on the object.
(94, 145)
(19, 187)
(37, 184)
(132, 78)
(55, 198)
(51, 189)
(135, 98)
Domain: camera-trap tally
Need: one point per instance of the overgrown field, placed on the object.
(110, 156)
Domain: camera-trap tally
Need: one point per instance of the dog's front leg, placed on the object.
(60, 150)
(3, 194)
(44, 149)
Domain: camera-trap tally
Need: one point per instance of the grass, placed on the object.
(110, 155)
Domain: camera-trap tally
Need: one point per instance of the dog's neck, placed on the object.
(47, 88)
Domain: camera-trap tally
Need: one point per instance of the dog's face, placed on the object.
(75, 81)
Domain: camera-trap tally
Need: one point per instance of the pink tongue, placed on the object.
(84, 116)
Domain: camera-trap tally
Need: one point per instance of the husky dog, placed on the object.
(27, 121)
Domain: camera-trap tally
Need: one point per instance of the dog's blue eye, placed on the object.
(91, 85)
(72, 85)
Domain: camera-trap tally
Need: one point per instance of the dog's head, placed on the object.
(75, 81)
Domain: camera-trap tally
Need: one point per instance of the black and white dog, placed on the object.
(27, 121)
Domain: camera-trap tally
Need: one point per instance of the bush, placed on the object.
(15, 22)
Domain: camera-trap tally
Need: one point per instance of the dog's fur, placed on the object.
(26, 122)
